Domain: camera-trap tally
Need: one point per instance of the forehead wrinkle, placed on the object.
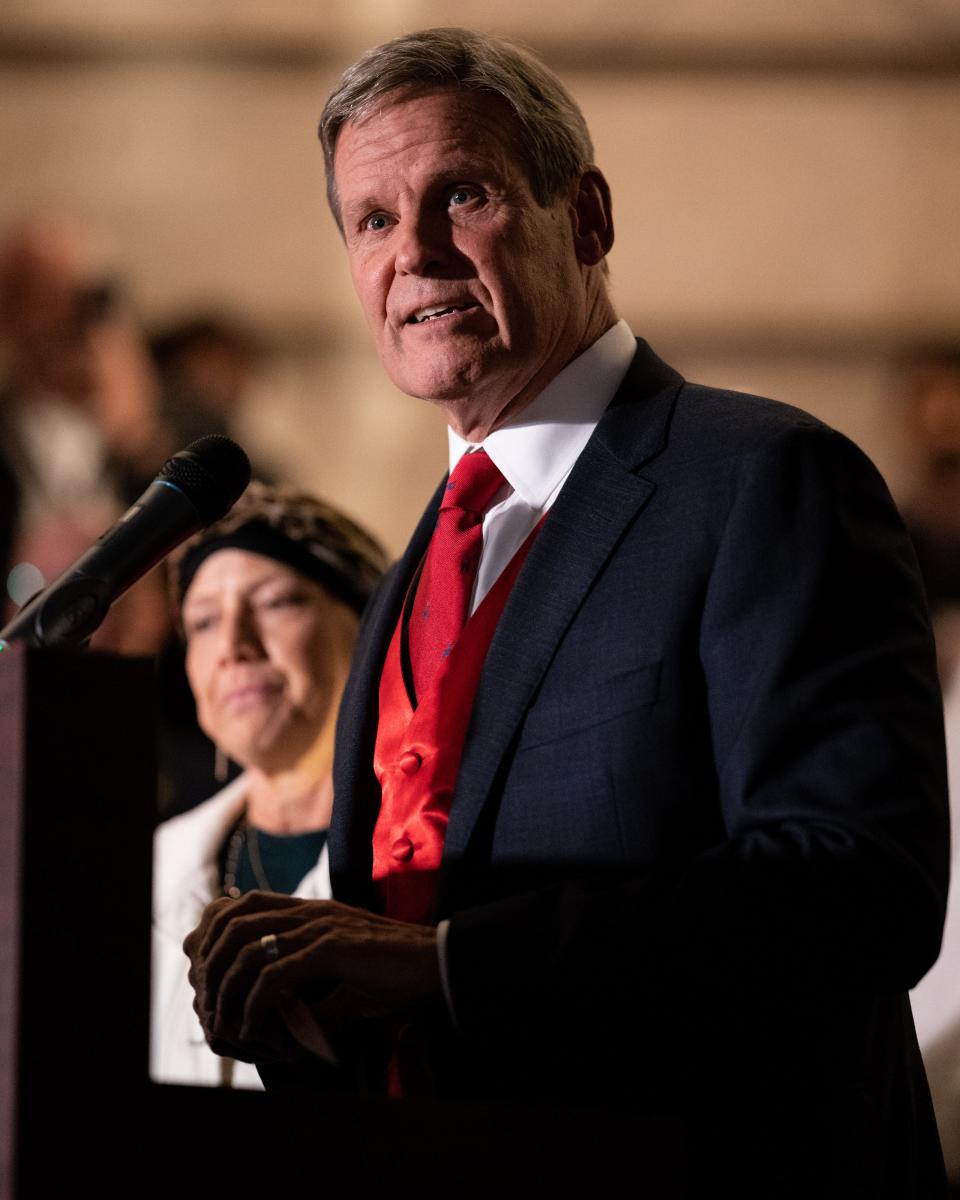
(381, 135)
(357, 207)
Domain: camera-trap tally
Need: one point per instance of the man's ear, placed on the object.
(592, 218)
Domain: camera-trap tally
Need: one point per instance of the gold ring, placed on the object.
(270, 947)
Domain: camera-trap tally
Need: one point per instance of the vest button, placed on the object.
(402, 850)
(410, 762)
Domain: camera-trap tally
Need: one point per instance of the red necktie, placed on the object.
(446, 583)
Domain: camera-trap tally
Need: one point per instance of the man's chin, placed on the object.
(447, 374)
(471, 395)
(459, 389)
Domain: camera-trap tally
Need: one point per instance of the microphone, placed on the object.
(194, 488)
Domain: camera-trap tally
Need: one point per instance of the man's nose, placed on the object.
(424, 246)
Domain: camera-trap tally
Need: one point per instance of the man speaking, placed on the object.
(640, 792)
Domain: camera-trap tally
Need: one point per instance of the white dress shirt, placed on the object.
(536, 451)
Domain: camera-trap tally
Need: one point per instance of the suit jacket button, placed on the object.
(410, 762)
(402, 850)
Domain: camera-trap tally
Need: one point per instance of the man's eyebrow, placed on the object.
(455, 170)
(477, 166)
(354, 208)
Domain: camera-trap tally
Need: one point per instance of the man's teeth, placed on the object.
(425, 314)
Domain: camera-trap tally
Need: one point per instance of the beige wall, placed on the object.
(785, 182)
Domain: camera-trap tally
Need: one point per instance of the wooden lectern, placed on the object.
(77, 1111)
(77, 793)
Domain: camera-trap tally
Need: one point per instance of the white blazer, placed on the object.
(185, 880)
(936, 998)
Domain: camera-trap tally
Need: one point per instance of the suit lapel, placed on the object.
(600, 499)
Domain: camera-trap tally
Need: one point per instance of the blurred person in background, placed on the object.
(80, 395)
(79, 415)
(269, 600)
(205, 362)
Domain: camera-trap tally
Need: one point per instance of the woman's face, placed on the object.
(267, 652)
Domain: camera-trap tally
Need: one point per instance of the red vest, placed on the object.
(417, 757)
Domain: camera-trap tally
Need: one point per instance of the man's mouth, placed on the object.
(435, 311)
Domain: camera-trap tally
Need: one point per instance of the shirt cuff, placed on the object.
(443, 930)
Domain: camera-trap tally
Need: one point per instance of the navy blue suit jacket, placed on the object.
(698, 850)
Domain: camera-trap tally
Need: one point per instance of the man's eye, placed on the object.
(462, 195)
(376, 222)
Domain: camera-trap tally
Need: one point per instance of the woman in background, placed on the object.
(269, 600)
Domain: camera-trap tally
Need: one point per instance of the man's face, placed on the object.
(473, 291)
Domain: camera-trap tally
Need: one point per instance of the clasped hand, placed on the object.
(345, 964)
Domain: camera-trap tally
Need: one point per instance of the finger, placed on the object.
(236, 960)
(389, 968)
(301, 987)
(298, 971)
(267, 1046)
(193, 946)
(203, 975)
(220, 913)
(194, 940)
(236, 932)
(234, 986)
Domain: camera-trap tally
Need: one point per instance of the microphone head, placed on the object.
(212, 473)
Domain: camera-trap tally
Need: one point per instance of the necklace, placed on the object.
(244, 835)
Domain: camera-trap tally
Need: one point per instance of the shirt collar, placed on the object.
(535, 451)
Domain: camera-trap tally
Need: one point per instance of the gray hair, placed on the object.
(552, 133)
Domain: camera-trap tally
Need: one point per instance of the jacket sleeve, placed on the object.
(827, 741)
